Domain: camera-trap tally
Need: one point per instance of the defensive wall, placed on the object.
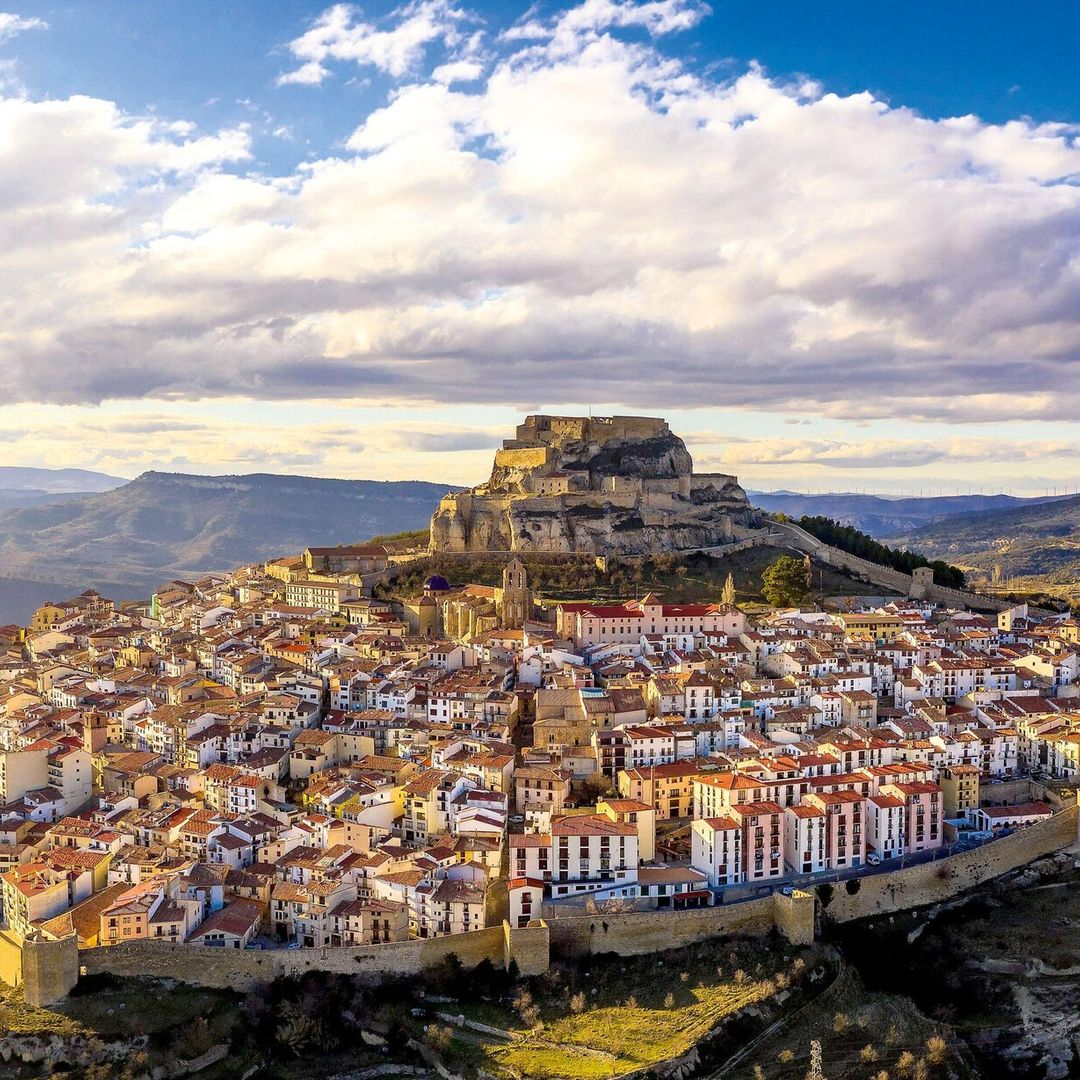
(243, 968)
(906, 584)
(933, 882)
(633, 933)
(47, 969)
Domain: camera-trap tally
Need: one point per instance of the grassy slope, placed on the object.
(627, 1023)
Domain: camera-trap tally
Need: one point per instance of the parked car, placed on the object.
(873, 858)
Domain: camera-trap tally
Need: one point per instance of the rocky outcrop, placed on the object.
(606, 485)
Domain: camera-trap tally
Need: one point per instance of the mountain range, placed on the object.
(21, 486)
(884, 518)
(1036, 545)
(161, 525)
(126, 537)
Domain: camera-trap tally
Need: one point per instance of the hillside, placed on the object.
(164, 524)
(884, 518)
(34, 487)
(1037, 545)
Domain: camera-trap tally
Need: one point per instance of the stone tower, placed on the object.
(515, 599)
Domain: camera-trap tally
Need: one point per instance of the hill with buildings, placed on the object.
(165, 524)
(607, 485)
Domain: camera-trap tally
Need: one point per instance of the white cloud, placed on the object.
(12, 25)
(891, 453)
(587, 222)
(339, 34)
(458, 71)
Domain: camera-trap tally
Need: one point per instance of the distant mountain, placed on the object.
(56, 481)
(34, 487)
(1041, 540)
(883, 518)
(166, 524)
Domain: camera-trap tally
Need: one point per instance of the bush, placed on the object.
(868, 1054)
(937, 1050)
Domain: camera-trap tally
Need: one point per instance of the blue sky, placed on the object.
(993, 58)
(361, 240)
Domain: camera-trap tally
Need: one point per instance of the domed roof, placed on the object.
(436, 583)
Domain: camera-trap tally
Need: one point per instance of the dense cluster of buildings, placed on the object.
(274, 757)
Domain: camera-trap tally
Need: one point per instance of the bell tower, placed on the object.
(515, 600)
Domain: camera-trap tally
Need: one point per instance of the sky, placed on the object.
(836, 245)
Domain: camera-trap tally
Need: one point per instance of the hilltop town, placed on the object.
(276, 758)
(255, 760)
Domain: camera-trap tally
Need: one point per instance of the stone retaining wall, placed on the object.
(933, 882)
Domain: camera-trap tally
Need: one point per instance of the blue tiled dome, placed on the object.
(436, 583)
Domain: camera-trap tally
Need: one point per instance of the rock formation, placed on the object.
(606, 485)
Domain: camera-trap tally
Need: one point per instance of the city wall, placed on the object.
(10, 958)
(933, 882)
(881, 575)
(46, 968)
(243, 968)
(633, 933)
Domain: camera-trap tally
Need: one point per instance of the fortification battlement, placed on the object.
(542, 428)
(608, 484)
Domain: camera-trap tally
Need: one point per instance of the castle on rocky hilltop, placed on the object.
(604, 485)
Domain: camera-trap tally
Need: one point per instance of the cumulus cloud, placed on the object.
(132, 442)
(11, 25)
(655, 16)
(588, 220)
(892, 453)
(340, 33)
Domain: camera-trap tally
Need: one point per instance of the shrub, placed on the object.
(438, 1038)
(840, 1022)
(937, 1049)
(669, 1000)
(868, 1054)
(577, 1002)
(785, 1056)
(905, 1063)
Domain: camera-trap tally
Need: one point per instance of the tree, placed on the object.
(784, 583)
(728, 595)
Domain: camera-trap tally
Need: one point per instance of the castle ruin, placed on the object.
(604, 485)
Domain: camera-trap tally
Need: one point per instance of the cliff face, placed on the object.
(619, 485)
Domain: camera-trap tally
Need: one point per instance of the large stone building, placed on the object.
(617, 484)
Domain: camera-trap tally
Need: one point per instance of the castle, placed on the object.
(602, 485)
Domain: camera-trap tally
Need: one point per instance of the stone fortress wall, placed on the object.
(609, 485)
(49, 969)
(934, 882)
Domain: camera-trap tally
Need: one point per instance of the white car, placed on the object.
(873, 858)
